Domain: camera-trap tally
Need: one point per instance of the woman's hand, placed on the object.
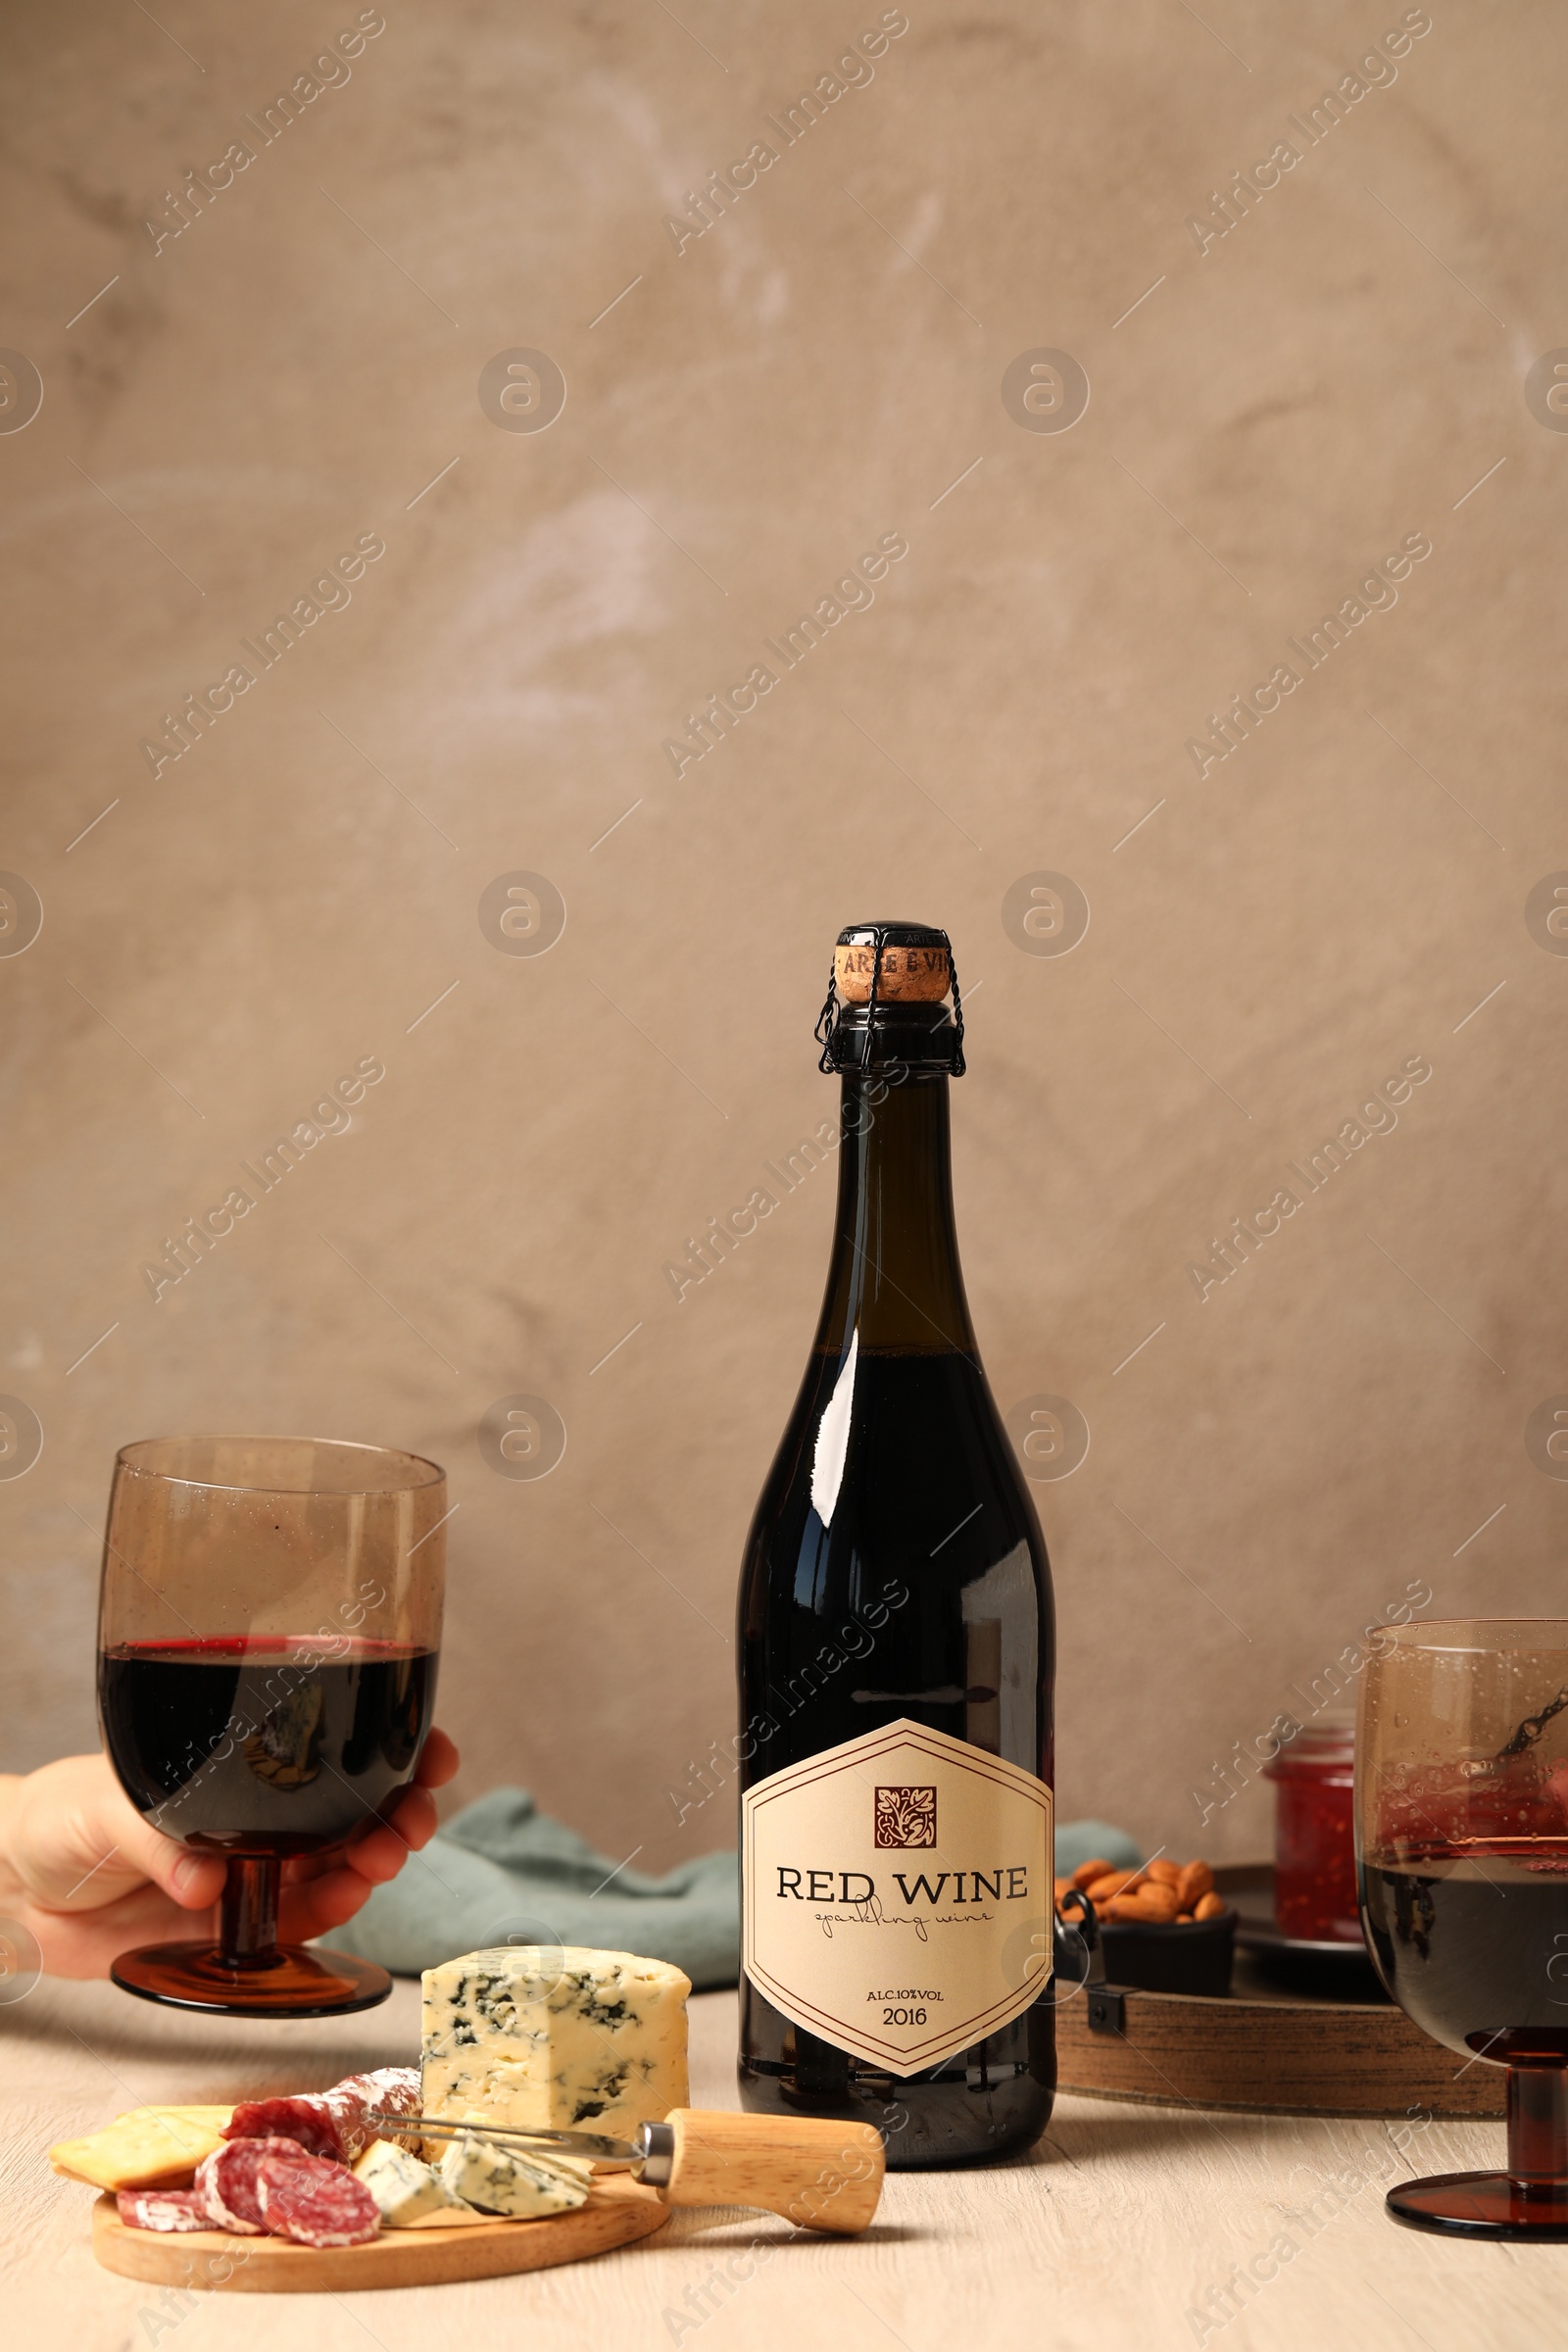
(89, 1878)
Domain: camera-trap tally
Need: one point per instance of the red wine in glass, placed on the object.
(1463, 1844)
(268, 1637)
(256, 1744)
(1473, 1940)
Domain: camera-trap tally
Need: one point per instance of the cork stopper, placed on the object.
(916, 968)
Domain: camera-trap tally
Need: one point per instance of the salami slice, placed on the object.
(306, 2120)
(226, 2181)
(329, 2122)
(394, 2087)
(314, 2202)
(162, 2209)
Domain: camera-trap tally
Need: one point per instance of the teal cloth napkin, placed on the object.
(502, 1872)
(1080, 1841)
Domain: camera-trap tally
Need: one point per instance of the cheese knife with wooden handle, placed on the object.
(818, 2174)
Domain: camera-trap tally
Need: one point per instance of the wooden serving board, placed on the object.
(1292, 2054)
(618, 2211)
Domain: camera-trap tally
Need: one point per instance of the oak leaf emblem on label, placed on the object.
(905, 1817)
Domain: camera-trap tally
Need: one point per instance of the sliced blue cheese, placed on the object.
(518, 2183)
(555, 2037)
(409, 2194)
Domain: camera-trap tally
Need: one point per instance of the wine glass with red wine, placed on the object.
(1463, 1853)
(268, 1630)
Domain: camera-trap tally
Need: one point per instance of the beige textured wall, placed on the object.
(818, 370)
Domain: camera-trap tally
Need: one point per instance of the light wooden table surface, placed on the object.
(1112, 2236)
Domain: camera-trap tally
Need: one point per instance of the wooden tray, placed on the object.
(1340, 2047)
(618, 2211)
(1302, 2057)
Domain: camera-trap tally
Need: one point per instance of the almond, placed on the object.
(1168, 1874)
(1207, 1906)
(1144, 1904)
(1086, 1874)
(1196, 1880)
(1105, 1891)
(1158, 1900)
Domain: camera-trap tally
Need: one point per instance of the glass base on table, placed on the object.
(1482, 2205)
(288, 1982)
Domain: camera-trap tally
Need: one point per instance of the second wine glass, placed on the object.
(1462, 1850)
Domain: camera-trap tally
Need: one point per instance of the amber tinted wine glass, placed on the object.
(1462, 1855)
(269, 1631)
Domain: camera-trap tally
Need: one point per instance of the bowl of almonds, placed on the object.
(1162, 1925)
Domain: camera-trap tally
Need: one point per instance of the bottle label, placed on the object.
(897, 1894)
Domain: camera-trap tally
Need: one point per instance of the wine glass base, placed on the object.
(293, 1983)
(1482, 2205)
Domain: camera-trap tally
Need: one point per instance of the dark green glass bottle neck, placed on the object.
(895, 1277)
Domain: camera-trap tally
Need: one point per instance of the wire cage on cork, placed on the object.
(886, 1004)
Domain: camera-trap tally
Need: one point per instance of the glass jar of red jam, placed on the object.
(1314, 1833)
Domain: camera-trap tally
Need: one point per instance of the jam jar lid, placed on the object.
(1325, 1745)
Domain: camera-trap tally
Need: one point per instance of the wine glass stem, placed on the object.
(1537, 2124)
(248, 1916)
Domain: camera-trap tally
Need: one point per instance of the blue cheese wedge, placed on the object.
(522, 2185)
(555, 2037)
(410, 2194)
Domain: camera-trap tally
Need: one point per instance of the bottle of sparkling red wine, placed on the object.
(897, 1648)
